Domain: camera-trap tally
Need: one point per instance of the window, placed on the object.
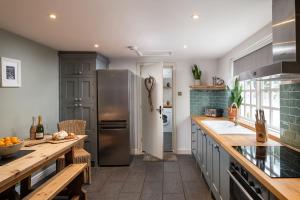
(261, 95)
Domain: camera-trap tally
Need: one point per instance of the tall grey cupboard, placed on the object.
(78, 91)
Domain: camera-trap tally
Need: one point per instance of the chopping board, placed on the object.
(29, 143)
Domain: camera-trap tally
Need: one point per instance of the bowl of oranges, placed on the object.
(10, 145)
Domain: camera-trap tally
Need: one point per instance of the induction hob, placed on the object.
(275, 161)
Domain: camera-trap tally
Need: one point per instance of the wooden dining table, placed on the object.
(21, 169)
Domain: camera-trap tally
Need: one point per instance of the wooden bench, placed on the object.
(71, 177)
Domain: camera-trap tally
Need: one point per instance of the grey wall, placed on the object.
(39, 91)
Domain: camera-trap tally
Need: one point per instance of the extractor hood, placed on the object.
(286, 41)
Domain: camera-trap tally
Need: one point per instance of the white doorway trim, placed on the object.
(174, 135)
(139, 110)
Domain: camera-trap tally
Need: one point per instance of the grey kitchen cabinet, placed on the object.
(224, 182)
(204, 153)
(214, 163)
(194, 139)
(215, 178)
(86, 93)
(78, 92)
(220, 178)
(209, 166)
(199, 145)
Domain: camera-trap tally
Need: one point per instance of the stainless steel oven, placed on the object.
(243, 186)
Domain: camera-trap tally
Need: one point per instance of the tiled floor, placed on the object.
(179, 180)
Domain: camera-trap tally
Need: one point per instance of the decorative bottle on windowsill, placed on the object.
(197, 74)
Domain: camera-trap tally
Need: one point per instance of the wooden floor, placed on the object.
(179, 180)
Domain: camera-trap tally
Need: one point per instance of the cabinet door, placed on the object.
(69, 66)
(215, 181)
(87, 91)
(68, 112)
(209, 160)
(204, 153)
(194, 138)
(91, 146)
(224, 177)
(87, 67)
(197, 146)
(88, 113)
(68, 91)
(194, 144)
(199, 149)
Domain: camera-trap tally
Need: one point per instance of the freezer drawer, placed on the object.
(113, 146)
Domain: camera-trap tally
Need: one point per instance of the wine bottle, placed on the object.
(39, 132)
(32, 129)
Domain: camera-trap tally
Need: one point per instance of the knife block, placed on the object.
(261, 132)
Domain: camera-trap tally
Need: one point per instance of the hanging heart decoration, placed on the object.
(149, 83)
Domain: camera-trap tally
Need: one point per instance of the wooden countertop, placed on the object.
(282, 188)
(44, 154)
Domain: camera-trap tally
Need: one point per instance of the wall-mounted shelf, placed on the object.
(208, 87)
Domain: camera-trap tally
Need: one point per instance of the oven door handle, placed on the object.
(239, 185)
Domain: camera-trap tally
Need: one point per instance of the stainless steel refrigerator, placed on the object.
(115, 116)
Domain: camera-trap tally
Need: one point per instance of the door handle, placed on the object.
(76, 105)
(239, 185)
(79, 99)
(159, 110)
(80, 105)
(75, 99)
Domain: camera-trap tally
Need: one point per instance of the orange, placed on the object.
(14, 140)
(7, 139)
(2, 144)
(8, 143)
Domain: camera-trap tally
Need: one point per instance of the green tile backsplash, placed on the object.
(290, 114)
(199, 100)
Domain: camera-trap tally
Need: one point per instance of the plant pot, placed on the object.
(197, 82)
(233, 113)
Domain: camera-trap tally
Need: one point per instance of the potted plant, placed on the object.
(197, 74)
(236, 100)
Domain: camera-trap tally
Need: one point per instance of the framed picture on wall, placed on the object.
(10, 72)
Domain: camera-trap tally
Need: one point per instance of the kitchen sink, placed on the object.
(223, 127)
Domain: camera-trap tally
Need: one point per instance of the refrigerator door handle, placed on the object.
(112, 129)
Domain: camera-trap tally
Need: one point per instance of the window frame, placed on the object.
(259, 103)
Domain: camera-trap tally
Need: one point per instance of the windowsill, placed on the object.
(251, 126)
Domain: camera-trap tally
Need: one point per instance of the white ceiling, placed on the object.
(148, 24)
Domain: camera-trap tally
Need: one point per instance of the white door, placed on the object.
(152, 123)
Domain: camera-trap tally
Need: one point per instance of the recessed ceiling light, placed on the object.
(185, 46)
(52, 16)
(96, 45)
(195, 16)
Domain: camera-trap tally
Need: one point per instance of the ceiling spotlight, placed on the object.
(96, 45)
(52, 16)
(185, 46)
(195, 16)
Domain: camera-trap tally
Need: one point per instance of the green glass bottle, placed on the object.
(39, 132)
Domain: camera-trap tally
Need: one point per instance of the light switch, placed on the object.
(179, 93)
